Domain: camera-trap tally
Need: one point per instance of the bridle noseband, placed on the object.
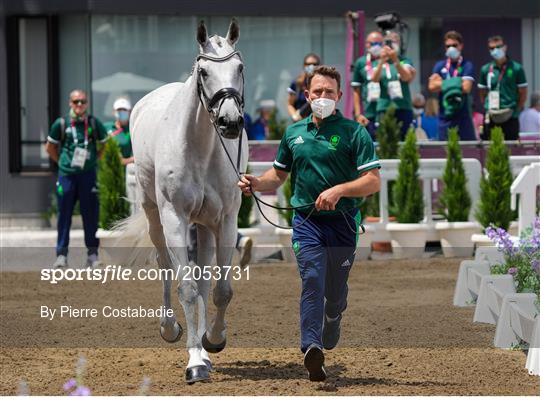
(213, 104)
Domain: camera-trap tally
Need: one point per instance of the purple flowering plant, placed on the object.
(521, 257)
(75, 386)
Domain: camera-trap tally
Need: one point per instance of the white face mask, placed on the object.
(309, 68)
(453, 53)
(375, 50)
(323, 107)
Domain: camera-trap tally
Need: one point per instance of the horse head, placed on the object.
(220, 79)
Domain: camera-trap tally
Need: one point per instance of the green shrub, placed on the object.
(494, 206)
(408, 200)
(112, 186)
(276, 126)
(455, 199)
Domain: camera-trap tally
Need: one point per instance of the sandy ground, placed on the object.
(401, 335)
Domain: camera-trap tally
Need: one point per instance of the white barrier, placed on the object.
(493, 288)
(468, 282)
(526, 184)
(518, 321)
(131, 187)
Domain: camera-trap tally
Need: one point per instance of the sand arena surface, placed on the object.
(400, 335)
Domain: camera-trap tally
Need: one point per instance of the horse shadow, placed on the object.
(266, 370)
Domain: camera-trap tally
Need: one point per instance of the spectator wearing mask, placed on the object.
(366, 92)
(425, 116)
(503, 91)
(529, 120)
(297, 105)
(394, 73)
(453, 80)
(119, 129)
(259, 130)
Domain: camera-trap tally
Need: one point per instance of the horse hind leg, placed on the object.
(170, 330)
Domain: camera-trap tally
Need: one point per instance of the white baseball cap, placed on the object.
(122, 103)
(267, 104)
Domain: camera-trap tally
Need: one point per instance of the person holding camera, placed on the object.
(394, 74)
(366, 92)
(503, 91)
(297, 105)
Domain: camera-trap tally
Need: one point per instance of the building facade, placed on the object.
(48, 48)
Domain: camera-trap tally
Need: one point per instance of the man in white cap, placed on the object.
(119, 129)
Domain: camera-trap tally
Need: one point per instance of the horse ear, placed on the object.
(202, 34)
(234, 32)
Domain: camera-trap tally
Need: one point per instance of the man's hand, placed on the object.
(435, 82)
(328, 199)
(391, 54)
(248, 183)
(362, 120)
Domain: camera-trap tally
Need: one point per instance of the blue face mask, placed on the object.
(453, 53)
(497, 53)
(122, 116)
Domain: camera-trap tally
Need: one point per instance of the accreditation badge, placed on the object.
(373, 91)
(394, 89)
(494, 98)
(79, 157)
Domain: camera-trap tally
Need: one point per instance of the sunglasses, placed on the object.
(451, 45)
(375, 43)
(79, 102)
(496, 46)
(311, 64)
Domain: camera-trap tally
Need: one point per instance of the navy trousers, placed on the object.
(69, 189)
(325, 247)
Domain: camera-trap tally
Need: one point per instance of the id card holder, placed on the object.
(494, 100)
(373, 91)
(79, 157)
(394, 90)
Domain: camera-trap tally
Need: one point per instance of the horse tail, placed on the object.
(133, 246)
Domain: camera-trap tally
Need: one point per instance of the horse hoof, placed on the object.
(197, 374)
(210, 347)
(180, 332)
(208, 365)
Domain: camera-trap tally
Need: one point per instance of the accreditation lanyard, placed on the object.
(501, 75)
(74, 132)
(456, 70)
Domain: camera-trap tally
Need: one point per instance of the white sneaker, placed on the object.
(93, 261)
(244, 246)
(60, 262)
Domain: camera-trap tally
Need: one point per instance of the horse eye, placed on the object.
(240, 68)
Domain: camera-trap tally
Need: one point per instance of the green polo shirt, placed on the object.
(122, 137)
(360, 80)
(512, 80)
(339, 151)
(67, 143)
(384, 102)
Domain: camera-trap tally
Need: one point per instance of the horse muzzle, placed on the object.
(230, 128)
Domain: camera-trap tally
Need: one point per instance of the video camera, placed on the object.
(387, 22)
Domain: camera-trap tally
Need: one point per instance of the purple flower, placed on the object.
(70, 384)
(81, 391)
(535, 264)
(513, 271)
(502, 239)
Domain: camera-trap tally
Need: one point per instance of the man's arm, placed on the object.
(357, 99)
(482, 94)
(52, 150)
(366, 184)
(522, 97)
(435, 83)
(466, 85)
(267, 182)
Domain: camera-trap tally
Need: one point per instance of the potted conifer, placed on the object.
(455, 233)
(113, 205)
(408, 235)
(494, 206)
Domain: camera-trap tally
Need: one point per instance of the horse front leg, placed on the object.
(215, 338)
(175, 228)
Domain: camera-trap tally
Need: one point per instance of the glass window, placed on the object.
(33, 92)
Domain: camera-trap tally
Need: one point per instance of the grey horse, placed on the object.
(184, 176)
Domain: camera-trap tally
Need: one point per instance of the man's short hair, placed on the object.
(495, 38)
(453, 35)
(328, 71)
(77, 91)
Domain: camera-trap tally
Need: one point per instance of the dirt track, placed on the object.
(401, 335)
